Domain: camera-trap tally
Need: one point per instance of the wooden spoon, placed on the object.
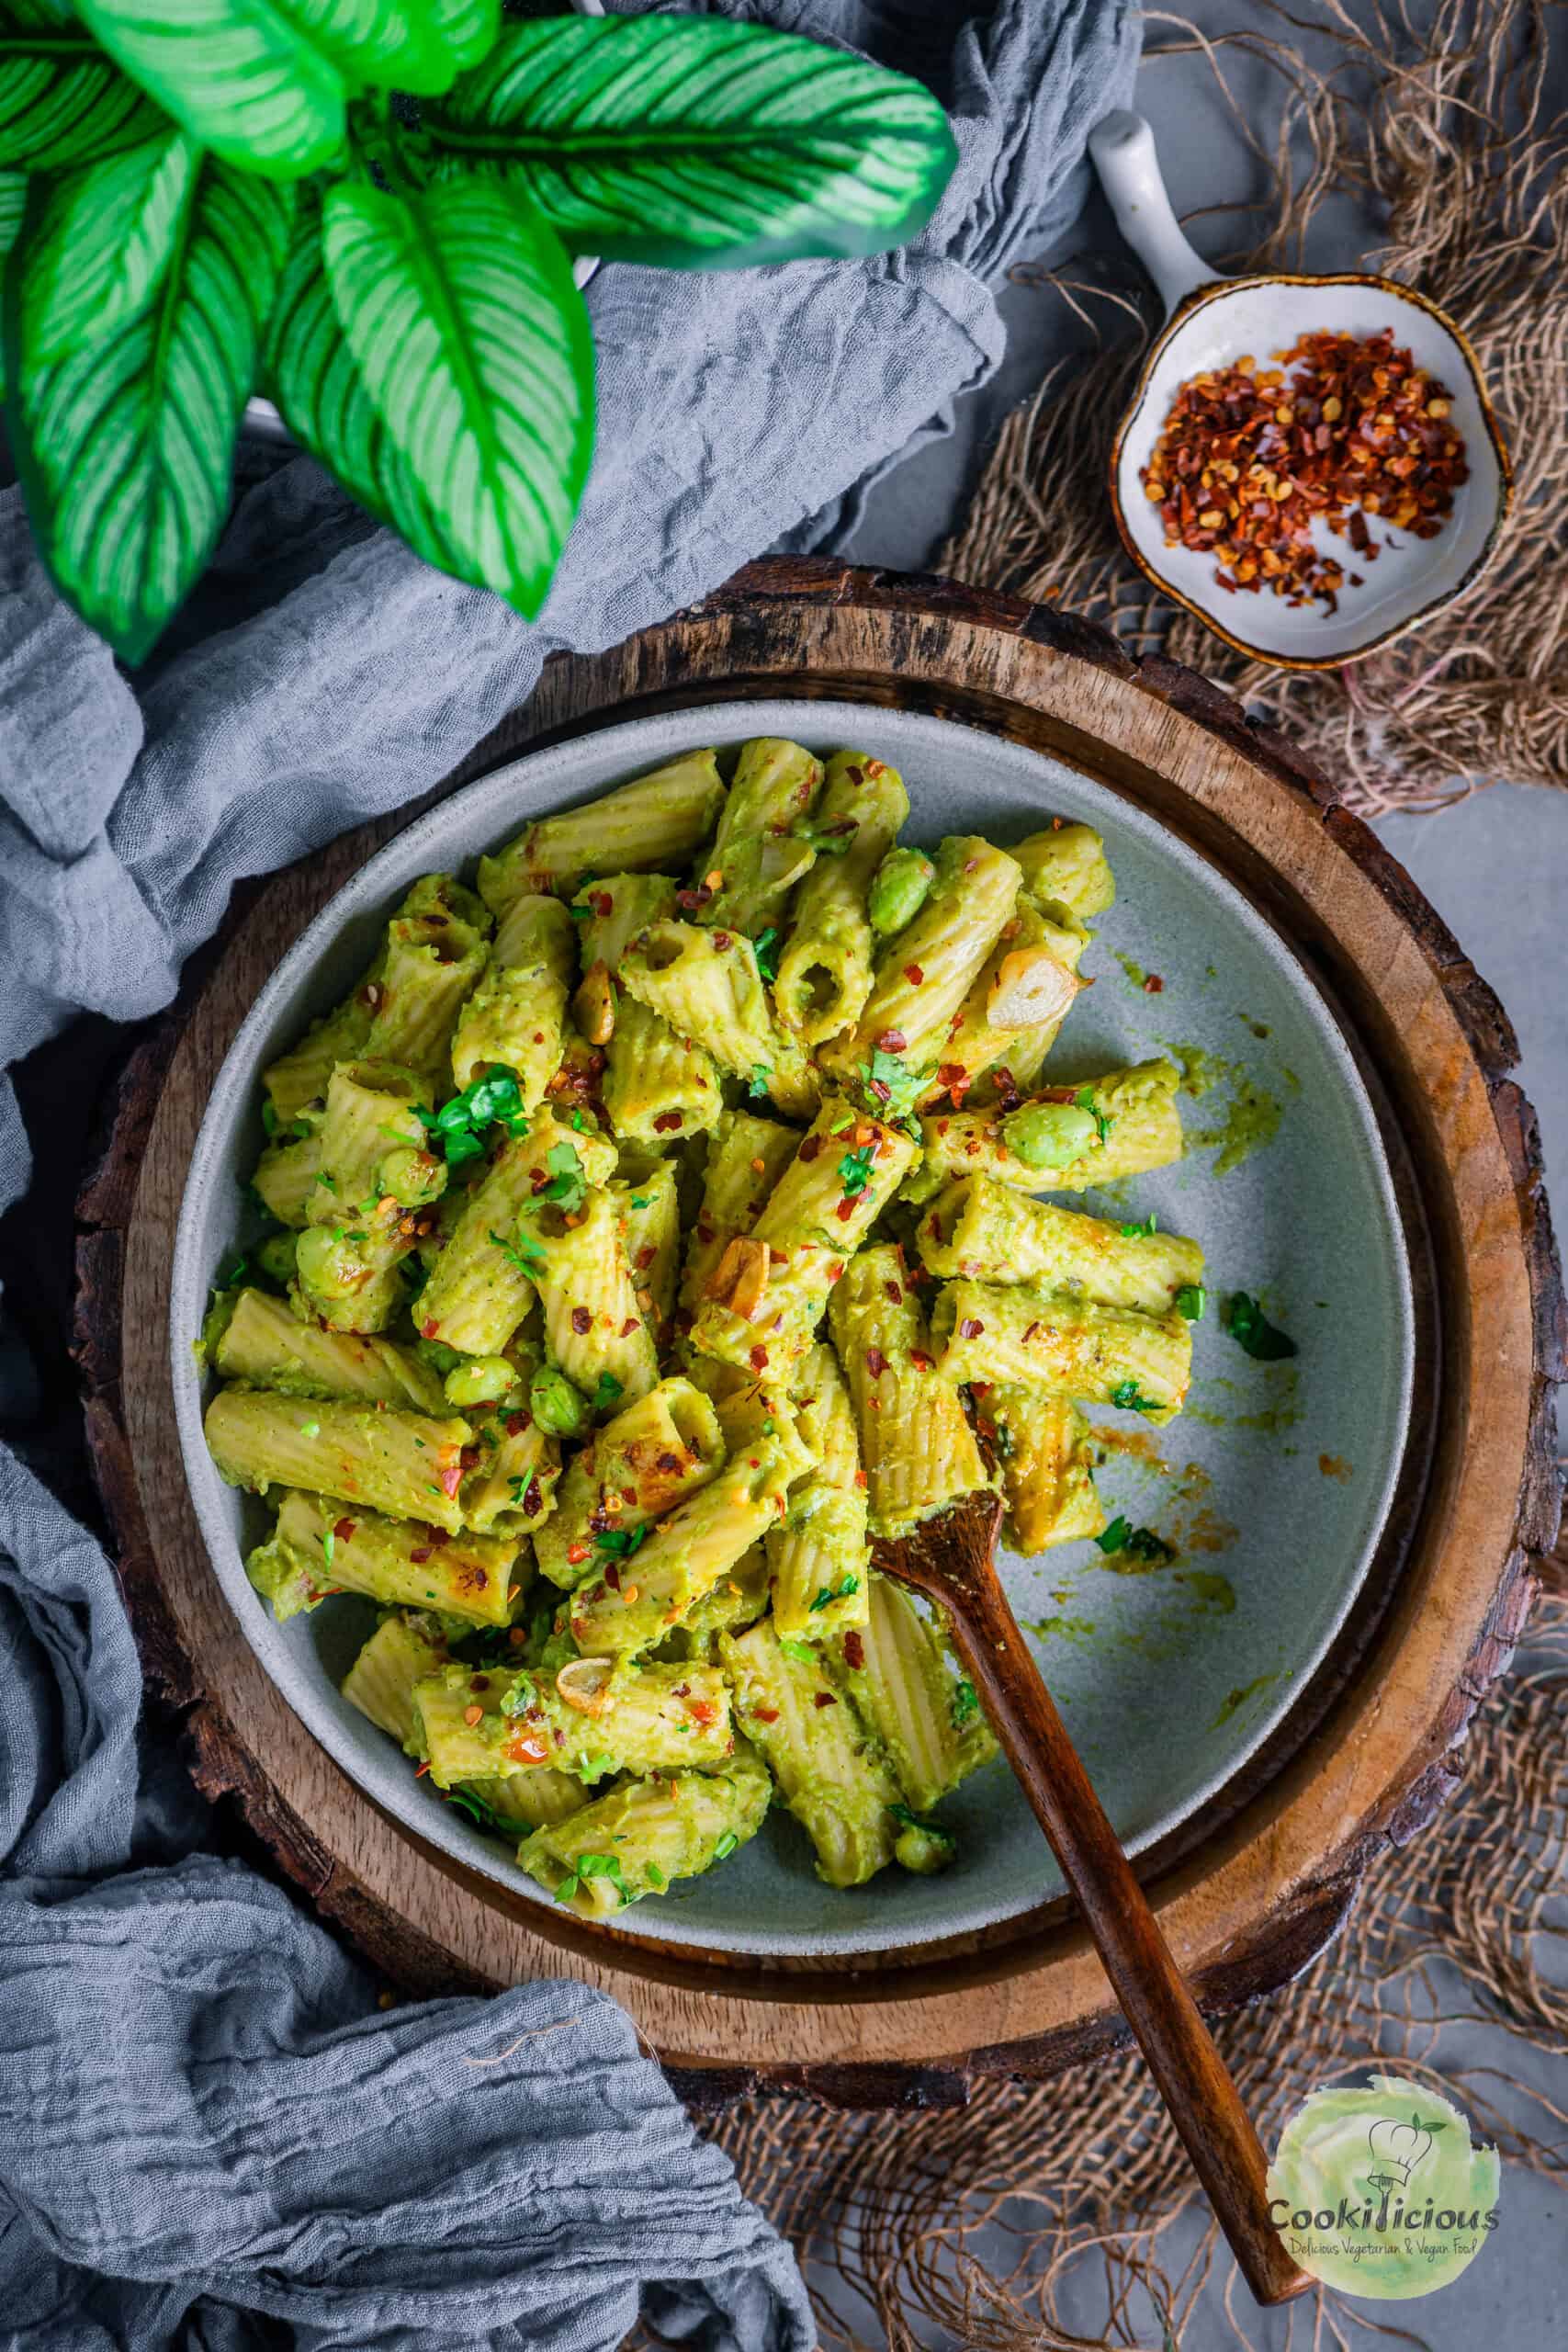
(952, 1560)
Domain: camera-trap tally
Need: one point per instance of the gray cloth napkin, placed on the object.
(210, 2134)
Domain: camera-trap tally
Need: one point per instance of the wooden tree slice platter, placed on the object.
(1250, 1890)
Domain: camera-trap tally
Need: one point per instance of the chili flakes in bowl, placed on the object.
(1248, 457)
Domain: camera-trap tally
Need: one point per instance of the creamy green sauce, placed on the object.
(1214, 1591)
(1236, 1700)
(1135, 974)
(1251, 1118)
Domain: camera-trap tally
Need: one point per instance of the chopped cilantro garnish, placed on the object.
(328, 1546)
(855, 1171)
(1083, 1101)
(907, 1819)
(605, 1866)
(1140, 1232)
(568, 1888)
(523, 1254)
(757, 1083)
(726, 1845)
(568, 1187)
(605, 1394)
(470, 1801)
(654, 1875)
(622, 1542)
(232, 1270)
(520, 1491)
(802, 1652)
(457, 1126)
(1190, 1301)
(1141, 1541)
(1130, 1398)
(966, 1703)
(642, 1201)
(519, 1695)
(766, 946)
(848, 1583)
(1253, 1332)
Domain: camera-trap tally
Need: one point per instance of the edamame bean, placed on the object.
(1049, 1134)
(561, 1409)
(481, 1380)
(899, 889)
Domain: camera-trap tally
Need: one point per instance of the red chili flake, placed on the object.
(646, 1256)
(914, 975)
(824, 1699)
(429, 1328)
(1030, 1333)
(451, 1479)
(603, 904)
(922, 1361)
(668, 1122)
(515, 1423)
(722, 942)
(420, 1557)
(468, 1459)
(758, 1358)
(810, 1147)
(582, 1320)
(876, 1362)
(1248, 460)
(845, 1210)
(703, 1712)
(576, 1552)
(765, 1714)
(613, 1577)
(342, 1530)
(883, 1093)
(970, 1327)
(628, 1326)
(532, 1500)
(892, 1291)
(690, 900)
(892, 1041)
(854, 1651)
(669, 1462)
(439, 1537)
(1154, 985)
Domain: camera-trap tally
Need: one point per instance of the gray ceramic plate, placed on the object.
(1273, 1485)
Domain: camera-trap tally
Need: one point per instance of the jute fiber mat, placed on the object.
(995, 2224)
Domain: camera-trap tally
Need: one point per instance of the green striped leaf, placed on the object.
(13, 204)
(63, 102)
(315, 379)
(124, 447)
(98, 240)
(696, 142)
(458, 306)
(242, 75)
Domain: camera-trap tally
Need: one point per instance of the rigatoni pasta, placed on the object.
(657, 1234)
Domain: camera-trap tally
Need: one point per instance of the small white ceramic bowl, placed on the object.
(1213, 320)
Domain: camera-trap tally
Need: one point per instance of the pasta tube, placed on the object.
(407, 1464)
(830, 1772)
(895, 1669)
(285, 1175)
(534, 1798)
(264, 1344)
(482, 1279)
(510, 1489)
(402, 1650)
(707, 986)
(317, 1547)
(1103, 1355)
(1068, 864)
(819, 1558)
(1068, 1138)
(993, 1233)
(1046, 1451)
(825, 972)
(783, 1296)
(926, 970)
(746, 1158)
(656, 1453)
(375, 1173)
(843, 1174)
(436, 951)
(632, 1602)
(650, 1211)
(917, 1450)
(1015, 1008)
(515, 1015)
(656, 821)
(760, 851)
(657, 1086)
(593, 1326)
(646, 1833)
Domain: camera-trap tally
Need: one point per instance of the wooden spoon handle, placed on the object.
(1204, 2104)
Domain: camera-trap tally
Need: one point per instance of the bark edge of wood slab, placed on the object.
(952, 1559)
(1252, 1888)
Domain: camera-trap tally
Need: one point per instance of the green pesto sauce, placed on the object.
(1213, 1590)
(1251, 1120)
(1064, 1629)
(1201, 1070)
(1236, 1700)
(1136, 976)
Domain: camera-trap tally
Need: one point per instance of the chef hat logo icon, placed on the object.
(1397, 2148)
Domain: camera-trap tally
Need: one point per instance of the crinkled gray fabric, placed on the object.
(209, 2134)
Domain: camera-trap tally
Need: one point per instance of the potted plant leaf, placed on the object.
(369, 210)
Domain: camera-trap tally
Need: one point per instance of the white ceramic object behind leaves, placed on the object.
(1168, 1680)
(262, 420)
(1213, 320)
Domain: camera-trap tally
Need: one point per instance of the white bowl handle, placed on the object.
(1122, 147)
